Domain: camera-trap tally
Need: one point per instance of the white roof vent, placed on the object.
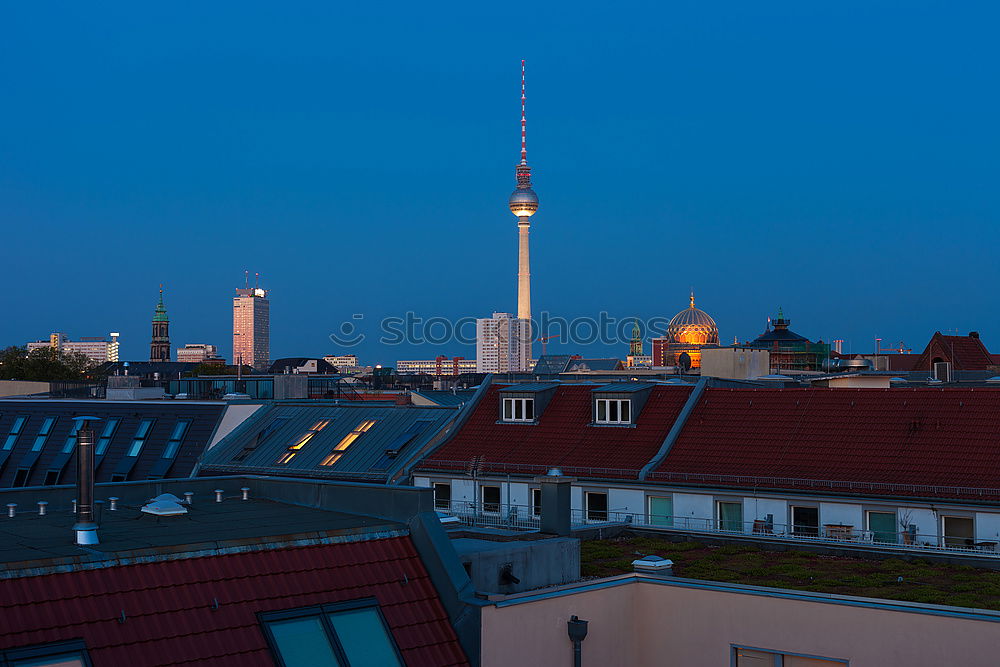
(653, 565)
(165, 504)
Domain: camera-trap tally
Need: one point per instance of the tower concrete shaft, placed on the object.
(523, 269)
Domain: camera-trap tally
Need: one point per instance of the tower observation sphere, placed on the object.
(523, 202)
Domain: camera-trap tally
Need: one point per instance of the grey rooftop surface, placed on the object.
(127, 533)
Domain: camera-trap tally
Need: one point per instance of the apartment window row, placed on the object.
(519, 409)
(293, 449)
(490, 496)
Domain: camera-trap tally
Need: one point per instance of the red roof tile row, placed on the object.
(170, 617)
(564, 436)
(920, 437)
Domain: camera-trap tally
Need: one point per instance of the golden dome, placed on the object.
(693, 326)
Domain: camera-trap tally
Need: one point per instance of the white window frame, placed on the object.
(587, 510)
(434, 488)
(516, 409)
(482, 497)
(620, 407)
(531, 501)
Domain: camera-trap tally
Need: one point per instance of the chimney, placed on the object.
(85, 526)
(973, 334)
(555, 502)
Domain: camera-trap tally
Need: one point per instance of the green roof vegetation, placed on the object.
(916, 580)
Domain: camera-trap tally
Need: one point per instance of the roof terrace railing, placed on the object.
(821, 484)
(746, 481)
(522, 517)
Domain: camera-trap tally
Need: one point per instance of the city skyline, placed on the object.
(844, 184)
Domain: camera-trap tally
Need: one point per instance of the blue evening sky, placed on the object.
(837, 159)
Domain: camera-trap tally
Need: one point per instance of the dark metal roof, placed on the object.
(530, 386)
(623, 387)
(551, 364)
(270, 431)
(447, 398)
(279, 365)
(52, 464)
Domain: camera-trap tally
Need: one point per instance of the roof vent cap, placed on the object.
(554, 472)
(653, 564)
(165, 504)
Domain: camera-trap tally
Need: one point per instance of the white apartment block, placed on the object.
(342, 360)
(440, 366)
(95, 348)
(503, 344)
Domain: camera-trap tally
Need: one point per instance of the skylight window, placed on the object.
(351, 633)
(176, 438)
(263, 435)
(15, 430)
(140, 438)
(348, 440)
(109, 431)
(71, 438)
(43, 434)
(294, 449)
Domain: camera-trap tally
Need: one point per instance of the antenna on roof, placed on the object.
(256, 280)
(246, 278)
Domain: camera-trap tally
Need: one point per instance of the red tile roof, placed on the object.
(891, 441)
(563, 437)
(169, 614)
(966, 353)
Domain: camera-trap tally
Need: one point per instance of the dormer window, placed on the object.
(525, 403)
(518, 409)
(619, 403)
(614, 411)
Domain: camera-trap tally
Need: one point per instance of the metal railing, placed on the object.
(523, 517)
(490, 515)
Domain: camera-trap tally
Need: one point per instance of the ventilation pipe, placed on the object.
(85, 526)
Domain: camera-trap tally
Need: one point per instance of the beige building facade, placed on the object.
(641, 620)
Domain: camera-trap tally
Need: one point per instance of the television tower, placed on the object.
(523, 203)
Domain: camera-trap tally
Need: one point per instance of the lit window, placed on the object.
(43, 434)
(614, 411)
(342, 634)
(140, 438)
(15, 430)
(176, 438)
(265, 432)
(518, 409)
(294, 449)
(348, 440)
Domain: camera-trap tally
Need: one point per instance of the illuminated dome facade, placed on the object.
(688, 332)
(693, 326)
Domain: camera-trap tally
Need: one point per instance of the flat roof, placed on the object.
(128, 533)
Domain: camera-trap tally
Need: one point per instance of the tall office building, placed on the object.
(503, 344)
(252, 328)
(159, 346)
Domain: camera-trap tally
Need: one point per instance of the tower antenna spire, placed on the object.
(524, 129)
